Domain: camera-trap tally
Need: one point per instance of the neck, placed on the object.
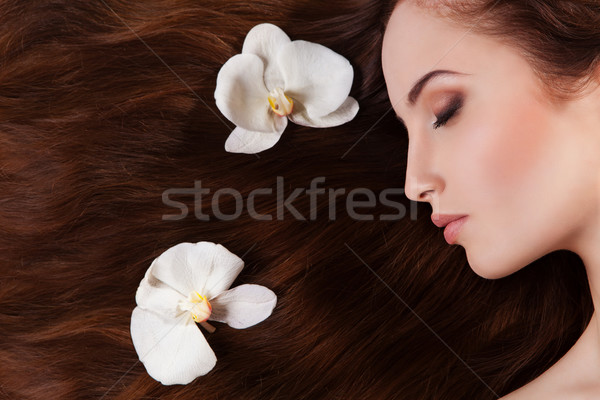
(579, 369)
(585, 354)
(590, 255)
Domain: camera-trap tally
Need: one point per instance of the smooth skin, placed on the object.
(525, 169)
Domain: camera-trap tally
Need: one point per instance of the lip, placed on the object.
(453, 229)
(441, 220)
(453, 224)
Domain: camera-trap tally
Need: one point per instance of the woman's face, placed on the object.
(522, 169)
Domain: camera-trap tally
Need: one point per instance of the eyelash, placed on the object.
(447, 114)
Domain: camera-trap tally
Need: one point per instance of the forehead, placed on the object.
(416, 42)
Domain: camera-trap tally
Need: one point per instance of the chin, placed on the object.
(490, 269)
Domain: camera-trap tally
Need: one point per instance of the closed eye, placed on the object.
(454, 106)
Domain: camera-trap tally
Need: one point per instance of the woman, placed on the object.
(105, 106)
(507, 143)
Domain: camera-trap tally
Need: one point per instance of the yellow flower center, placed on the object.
(280, 103)
(198, 306)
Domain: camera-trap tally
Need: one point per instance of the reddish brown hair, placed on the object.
(97, 122)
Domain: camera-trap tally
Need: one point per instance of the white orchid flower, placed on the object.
(188, 284)
(275, 79)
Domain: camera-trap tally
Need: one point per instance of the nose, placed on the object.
(423, 182)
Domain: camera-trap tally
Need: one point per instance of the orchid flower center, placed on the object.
(198, 306)
(280, 103)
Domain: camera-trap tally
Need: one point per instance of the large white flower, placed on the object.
(274, 79)
(186, 284)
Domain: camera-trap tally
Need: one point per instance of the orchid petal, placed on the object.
(243, 141)
(172, 350)
(265, 41)
(155, 295)
(243, 306)
(316, 76)
(205, 267)
(241, 94)
(345, 113)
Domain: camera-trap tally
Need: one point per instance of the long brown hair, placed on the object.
(105, 105)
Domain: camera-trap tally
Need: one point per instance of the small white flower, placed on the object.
(274, 79)
(189, 283)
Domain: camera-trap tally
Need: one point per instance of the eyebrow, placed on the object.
(418, 87)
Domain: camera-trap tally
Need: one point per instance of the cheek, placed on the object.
(507, 156)
(507, 171)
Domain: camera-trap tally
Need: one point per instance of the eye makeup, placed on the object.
(455, 105)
